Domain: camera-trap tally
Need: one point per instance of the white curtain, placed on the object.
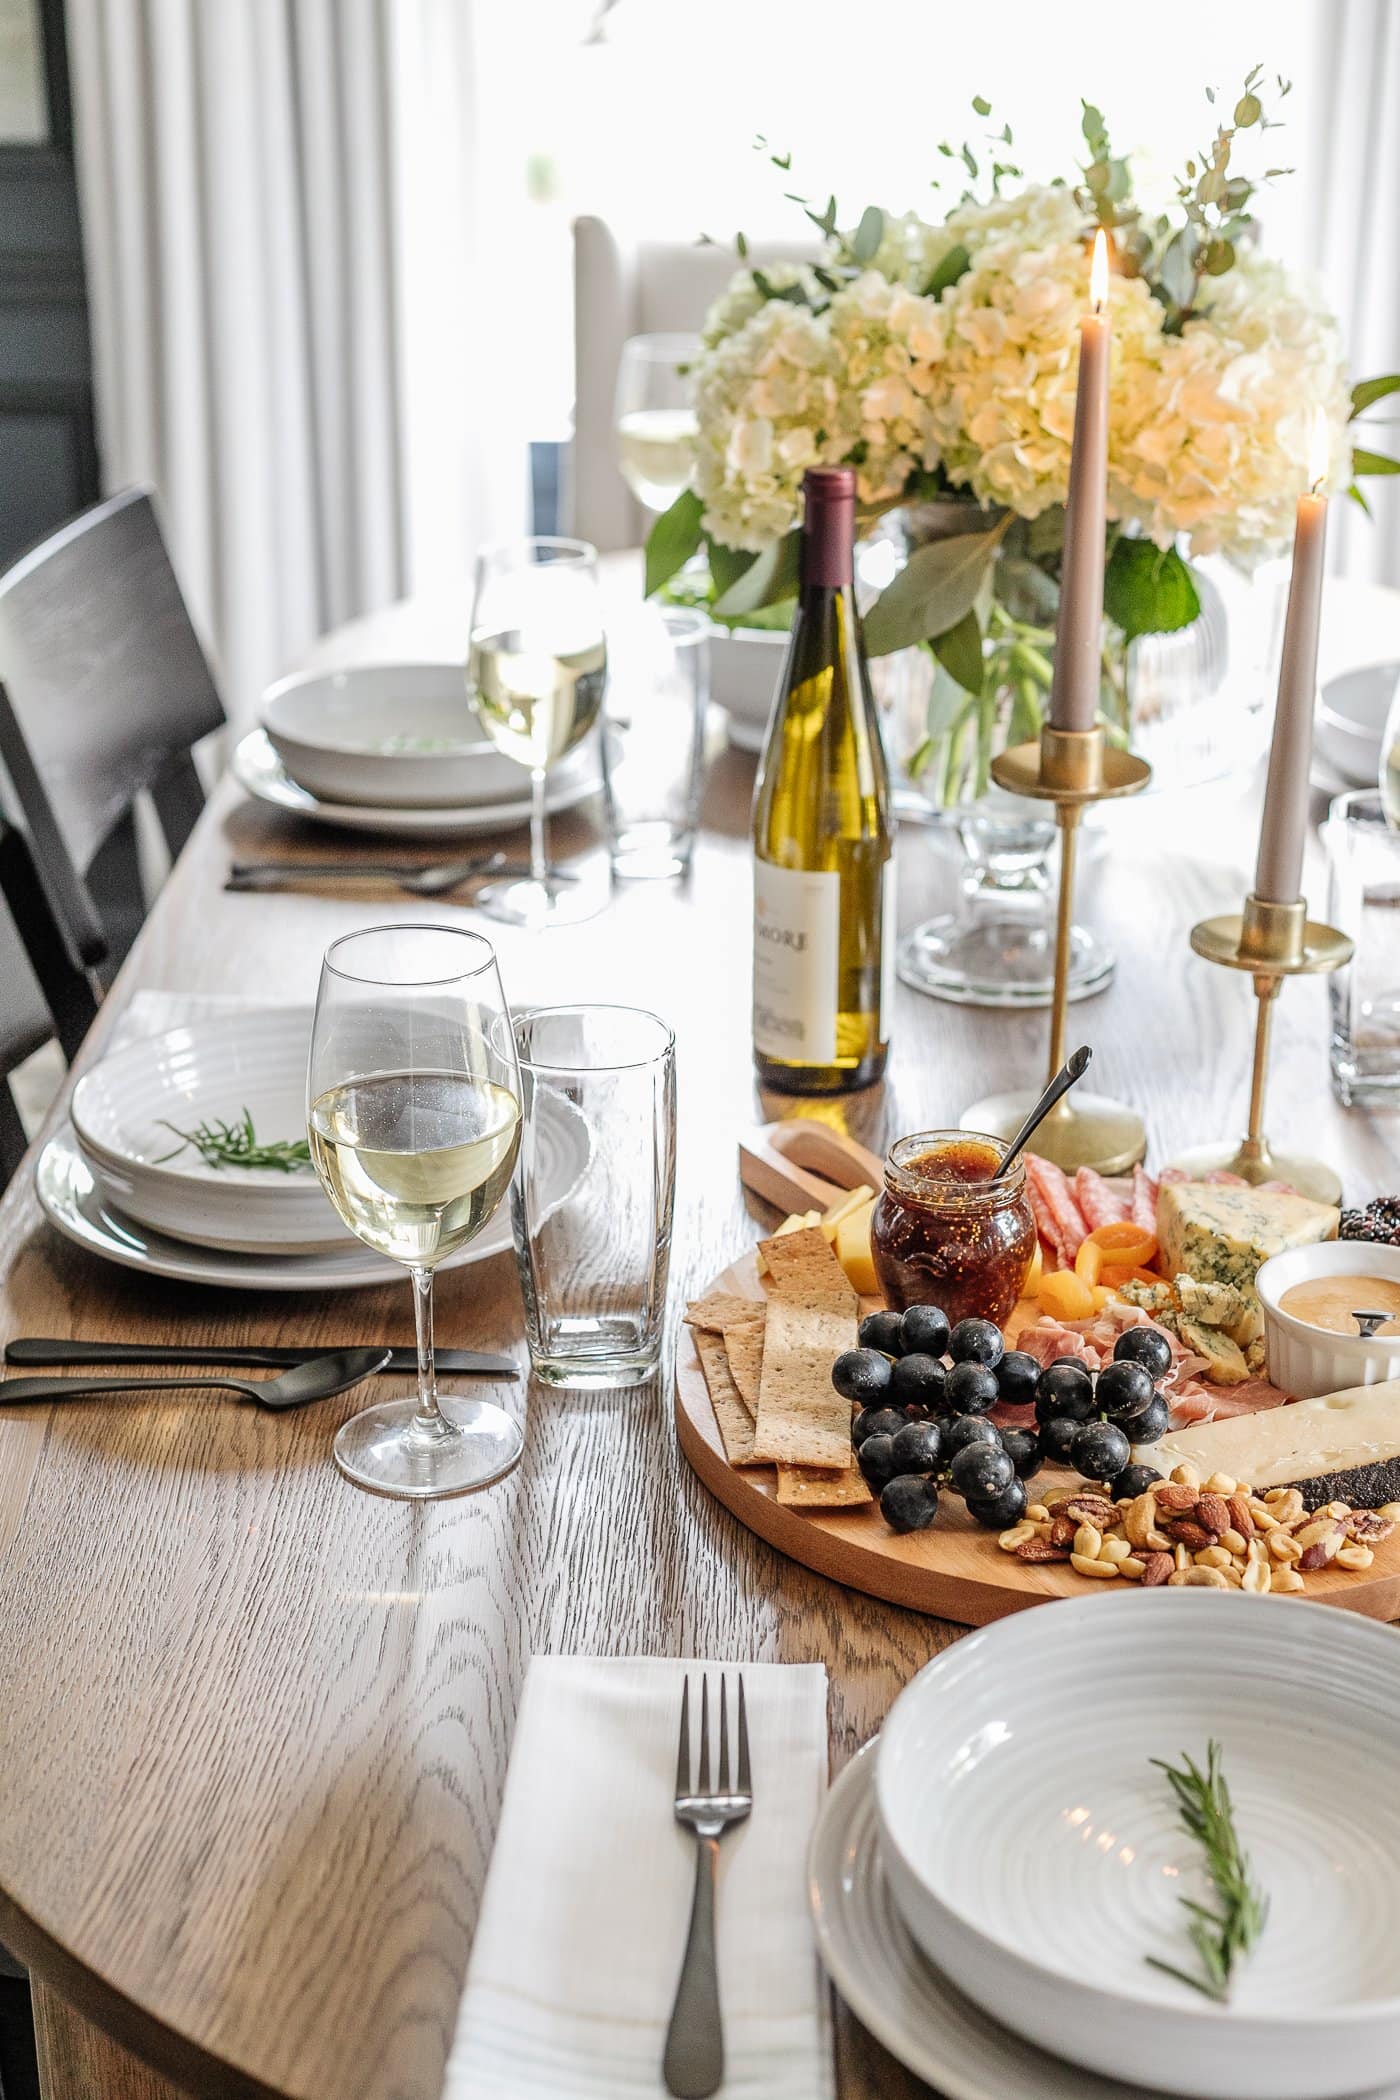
(279, 205)
(1355, 240)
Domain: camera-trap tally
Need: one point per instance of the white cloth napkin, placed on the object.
(587, 1901)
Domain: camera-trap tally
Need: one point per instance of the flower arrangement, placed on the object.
(939, 358)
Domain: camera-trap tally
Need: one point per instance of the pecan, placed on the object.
(1194, 1536)
(1368, 1525)
(1092, 1509)
(1062, 1530)
(1240, 1516)
(1041, 1550)
(1213, 1511)
(1169, 1495)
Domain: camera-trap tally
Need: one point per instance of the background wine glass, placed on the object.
(655, 416)
(536, 675)
(413, 1117)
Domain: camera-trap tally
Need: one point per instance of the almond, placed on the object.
(1240, 1516)
(1214, 1512)
(1041, 1550)
(1192, 1536)
(1156, 1569)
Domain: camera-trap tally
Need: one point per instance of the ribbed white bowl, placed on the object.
(252, 1058)
(1306, 1361)
(401, 735)
(1036, 1855)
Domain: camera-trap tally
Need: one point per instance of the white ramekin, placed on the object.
(1304, 1361)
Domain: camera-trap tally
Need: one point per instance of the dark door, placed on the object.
(48, 456)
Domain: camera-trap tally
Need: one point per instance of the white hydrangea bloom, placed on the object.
(741, 298)
(911, 249)
(889, 342)
(768, 407)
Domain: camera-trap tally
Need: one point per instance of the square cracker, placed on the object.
(805, 1487)
(802, 1419)
(716, 1307)
(735, 1421)
(743, 1345)
(803, 1269)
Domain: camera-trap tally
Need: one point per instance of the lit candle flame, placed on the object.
(1319, 451)
(1098, 272)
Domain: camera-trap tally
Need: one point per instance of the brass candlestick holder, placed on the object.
(1271, 942)
(1071, 768)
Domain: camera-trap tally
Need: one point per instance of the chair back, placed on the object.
(107, 680)
(624, 288)
(43, 991)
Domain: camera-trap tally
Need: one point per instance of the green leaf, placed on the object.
(673, 539)
(1357, 497)
(982, 106)
(772, 575)
(1368, 391)
(727, 564)
(952, 267)
(869, 234)
(1373, 463)
(1248, 110)
(960, 653)
(1176, 273)
(741, 246)
(936, 588)
(1148, 589)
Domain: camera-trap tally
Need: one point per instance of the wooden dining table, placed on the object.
(255, 1723)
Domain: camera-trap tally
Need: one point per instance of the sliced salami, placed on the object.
(1097, 1203)
(1057, 1213)
(1143, 1207)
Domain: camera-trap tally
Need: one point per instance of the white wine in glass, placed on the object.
(655, 416)
(413, 1120)
(536, 674)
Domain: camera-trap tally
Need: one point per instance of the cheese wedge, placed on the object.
(1218, 1233)
(1342, 1447)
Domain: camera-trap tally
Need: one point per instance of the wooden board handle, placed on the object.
(767, 1170)
(830, 1153)
(804, 1165)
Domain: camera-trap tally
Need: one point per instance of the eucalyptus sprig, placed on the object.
(1222, 1935)
(236, 1145)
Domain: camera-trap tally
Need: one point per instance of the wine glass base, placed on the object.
(387, 1450)
(1001, 962)
(557, 901)
(1087, 1130)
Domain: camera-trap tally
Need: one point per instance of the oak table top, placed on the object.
(255, 1722)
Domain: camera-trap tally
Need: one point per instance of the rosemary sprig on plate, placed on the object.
(236, 1145)
(1222, 1935)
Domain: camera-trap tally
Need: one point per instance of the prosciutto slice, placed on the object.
(1191, 1399)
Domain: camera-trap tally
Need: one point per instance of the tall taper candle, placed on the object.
(1278, 875)
(1074, 694)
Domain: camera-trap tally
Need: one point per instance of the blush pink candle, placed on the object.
(1278, 874)
(1074, 693)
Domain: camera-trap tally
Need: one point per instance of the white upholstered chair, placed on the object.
(624, 288)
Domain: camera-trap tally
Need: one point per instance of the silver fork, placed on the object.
(694, 2060)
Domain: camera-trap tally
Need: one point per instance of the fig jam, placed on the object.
(944, 1233)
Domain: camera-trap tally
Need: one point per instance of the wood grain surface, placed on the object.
(255, 1723)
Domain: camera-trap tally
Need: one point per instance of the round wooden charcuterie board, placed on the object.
(955, 1570)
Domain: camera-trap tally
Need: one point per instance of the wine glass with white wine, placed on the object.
(655, 416)
(413, 1115)
(536, 675)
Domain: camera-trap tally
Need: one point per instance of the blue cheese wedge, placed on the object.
(1219, 1234)
(1342, 1447)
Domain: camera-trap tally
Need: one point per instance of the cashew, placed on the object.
(1198, 1579)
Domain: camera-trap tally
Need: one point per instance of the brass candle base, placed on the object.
(1270, 941)
(1071, 768)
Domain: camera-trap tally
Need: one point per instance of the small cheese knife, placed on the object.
(39, 1350)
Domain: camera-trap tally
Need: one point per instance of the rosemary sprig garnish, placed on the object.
(1222, 1935)
(236, 1145)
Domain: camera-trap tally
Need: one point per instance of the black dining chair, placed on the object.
(109, 690)
(44, 990)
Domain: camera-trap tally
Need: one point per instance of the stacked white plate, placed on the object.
(118, 1180)
(991, 1886)
(395, 749)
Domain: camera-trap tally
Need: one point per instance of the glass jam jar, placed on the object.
(944, 1233)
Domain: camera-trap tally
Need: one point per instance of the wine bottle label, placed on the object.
(889, 934)
(796, 952)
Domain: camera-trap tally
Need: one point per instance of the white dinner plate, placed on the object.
(128, 1108)
(74, 1204)
(258, 770)
(1037, 1854)
(1349, 728)
(866, 1950)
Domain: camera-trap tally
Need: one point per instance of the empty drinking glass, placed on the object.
(1363, 857)
(653, 745)
(594, 1259)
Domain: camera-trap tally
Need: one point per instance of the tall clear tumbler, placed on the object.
(594, 1260)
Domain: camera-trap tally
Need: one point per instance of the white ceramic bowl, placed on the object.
(1350, 721)
(1305, 1361)
(745, 664)
(1036, 1856)
(399, 736)
(253, 1058)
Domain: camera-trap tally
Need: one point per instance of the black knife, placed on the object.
(39, 1350)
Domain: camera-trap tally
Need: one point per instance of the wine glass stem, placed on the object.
(539, 848)
(429, 1415)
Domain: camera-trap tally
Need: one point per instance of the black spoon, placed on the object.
(319, 1379)
(1074, 1067)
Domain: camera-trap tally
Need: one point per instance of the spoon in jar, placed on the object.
(1074, 1067)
